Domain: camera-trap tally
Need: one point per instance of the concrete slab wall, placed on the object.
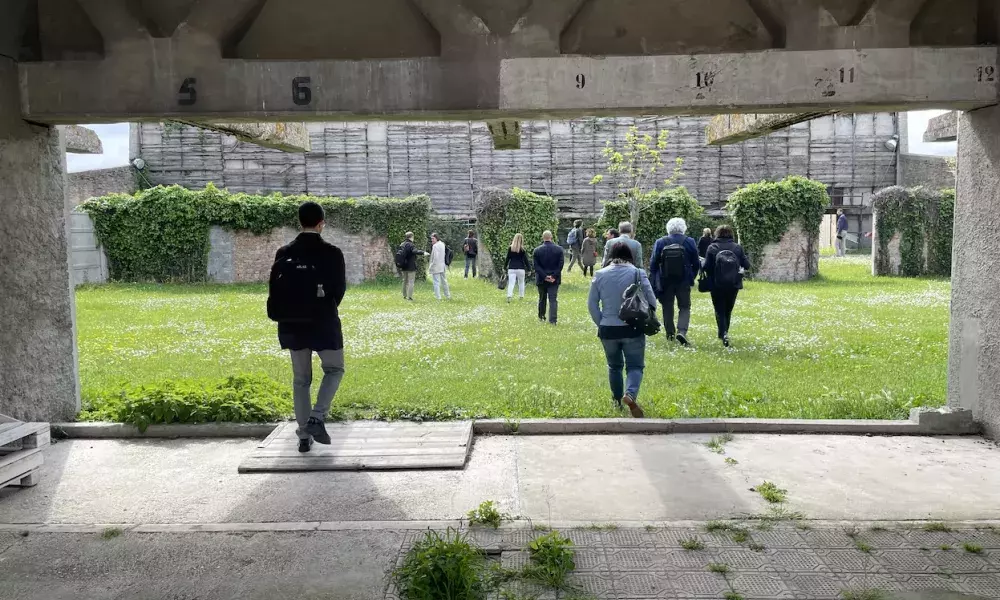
(38, 362)
(88, 262)
(84, 185)
(974, 357)
(933, 172)
(794, 258)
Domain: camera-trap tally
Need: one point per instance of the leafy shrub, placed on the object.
(551, 559)
(922, 218)
(246, 398)
(503, 213)
(762, 212)
(654, 212)
(161, 234)
(487, 513)
(442, 566)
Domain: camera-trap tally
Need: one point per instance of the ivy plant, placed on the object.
(161, 234)
(762, 212)
(655, 210)
(503, 213)
(924, 220)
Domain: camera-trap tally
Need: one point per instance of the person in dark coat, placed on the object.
(548, 265)
(322, 336)
(724, 297)
(678, 287)
(470, 246)
(705, 241)
(409, 270)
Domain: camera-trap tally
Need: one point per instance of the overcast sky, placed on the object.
(115, 141)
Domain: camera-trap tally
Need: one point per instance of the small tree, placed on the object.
(633, 171)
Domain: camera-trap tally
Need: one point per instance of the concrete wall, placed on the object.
(88, 262)
(451, 161)
(84, 185)
(932, 172)
(242, 257)
(794, 258)
(38, 361)
(893, 257)
(974, 357)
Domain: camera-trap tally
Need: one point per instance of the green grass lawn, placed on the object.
(845, 345)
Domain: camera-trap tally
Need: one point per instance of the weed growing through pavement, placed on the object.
(551, 560)
(731, 461)
(442, 566)
(602, 526)
(937, 527)
(972, 548)
(945, 547)
(756, 547)
(864, 594)
(718, 568)
(692, 543)
(111, 532)
(718, 443)
(855, 534)
(877, 528)
(771, 492)
(487, 513)
(732, 595)
(541, 527)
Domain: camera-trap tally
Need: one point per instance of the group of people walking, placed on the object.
(308, 282)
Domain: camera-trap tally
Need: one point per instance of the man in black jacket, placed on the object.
(409, 270)
(549, 260)
(323, 334)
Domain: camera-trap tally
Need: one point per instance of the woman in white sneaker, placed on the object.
(516, 265)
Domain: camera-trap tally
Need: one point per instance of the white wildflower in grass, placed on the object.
(846, 345)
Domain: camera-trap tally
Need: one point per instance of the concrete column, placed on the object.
(974, 359)
(38, 361)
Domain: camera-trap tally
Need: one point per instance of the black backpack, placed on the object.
(296, 291)
(727, 271)
(673, 264)
(401, 257)
(449, 255)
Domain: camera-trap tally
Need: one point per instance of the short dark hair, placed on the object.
(311, 214)
(724, 231)
(613, 233)
(622, 251)
(472, 233)
(577, 223)
(436, 236)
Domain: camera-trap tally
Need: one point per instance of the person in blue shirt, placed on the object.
(841, 241)
(624, 344)
(673, 267)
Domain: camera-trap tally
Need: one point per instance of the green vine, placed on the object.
(654, 212)
(762, 212)
(161, 234)
(502, 213)
(924, 220)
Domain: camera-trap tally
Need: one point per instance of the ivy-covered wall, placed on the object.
(654, 212)
(501, 213)
(763, 213)
(913, 231)
(162, 234)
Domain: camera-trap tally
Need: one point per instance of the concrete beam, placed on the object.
(80, 140)
(732, 129)
(287, 137)
(169, 83)
(115, 21)
(942, 128)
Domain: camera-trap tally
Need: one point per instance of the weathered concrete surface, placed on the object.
(974, 352)
(794, 258)
(343, 565)
(287, 137)
(80, 140)
(84, 185)
(932, 172)
(732, 129)
(942, 128)
(561, 478)
(38, 362)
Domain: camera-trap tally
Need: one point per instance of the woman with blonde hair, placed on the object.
(516, 265)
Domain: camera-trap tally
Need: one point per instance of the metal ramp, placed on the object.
(21, 446)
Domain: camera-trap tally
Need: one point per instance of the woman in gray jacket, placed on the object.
(624, 345)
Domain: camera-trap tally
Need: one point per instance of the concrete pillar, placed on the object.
(38, 361)
(974, 358)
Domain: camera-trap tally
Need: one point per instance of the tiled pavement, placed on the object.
(816, 563)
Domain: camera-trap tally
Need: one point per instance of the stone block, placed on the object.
(80, 140)
(942, 128)
(794, 258)
(944, 420)
(287, 137)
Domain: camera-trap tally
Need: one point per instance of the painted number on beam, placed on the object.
(581, 81)
(704, 79)
(836, 77)
(301, 92)
(846, 75)
(987, 74)
(187, 95)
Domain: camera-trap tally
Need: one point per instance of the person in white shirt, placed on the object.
(438, 268)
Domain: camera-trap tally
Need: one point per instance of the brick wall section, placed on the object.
(794, 258)
(243, 257)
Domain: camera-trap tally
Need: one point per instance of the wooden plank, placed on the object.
(18, 464)
(22, 431)
(5, 419)
(322, 451)
(276, 433)
(271, 465)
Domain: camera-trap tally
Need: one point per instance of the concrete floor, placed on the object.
(561, 478)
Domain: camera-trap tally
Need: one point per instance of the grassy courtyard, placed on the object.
(845, 345)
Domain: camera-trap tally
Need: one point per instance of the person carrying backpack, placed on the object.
(470, 246)
(406, 262)
(308, 281)
(575, 242)
(725, 263)
(673, 267)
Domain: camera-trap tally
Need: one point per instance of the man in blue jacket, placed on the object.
(549, 260)
(673, 267)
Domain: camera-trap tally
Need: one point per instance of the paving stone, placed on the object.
(780, 538)
(671, 537)
(760, 585)
(586, 538)
(622, 559)
(795, 560)
(930, 539)
(880, 581)
(886, 539)
(591, 559)
(960, 561)
(983, 585)
(850, 561)
(905, 561)
(827, 538)
(930, 582)
(987, 538)
(645, 585)
(700, 585)
(820, 586)
(631, 538)
(599, 585)
(685, 560)
(744, 559)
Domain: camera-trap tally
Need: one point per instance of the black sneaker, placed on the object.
(618, 403)
(670, 337)
(317, 429)
(725, 340)
(305, 444)
(682, 339)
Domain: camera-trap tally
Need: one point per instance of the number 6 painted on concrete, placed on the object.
(301, 92)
